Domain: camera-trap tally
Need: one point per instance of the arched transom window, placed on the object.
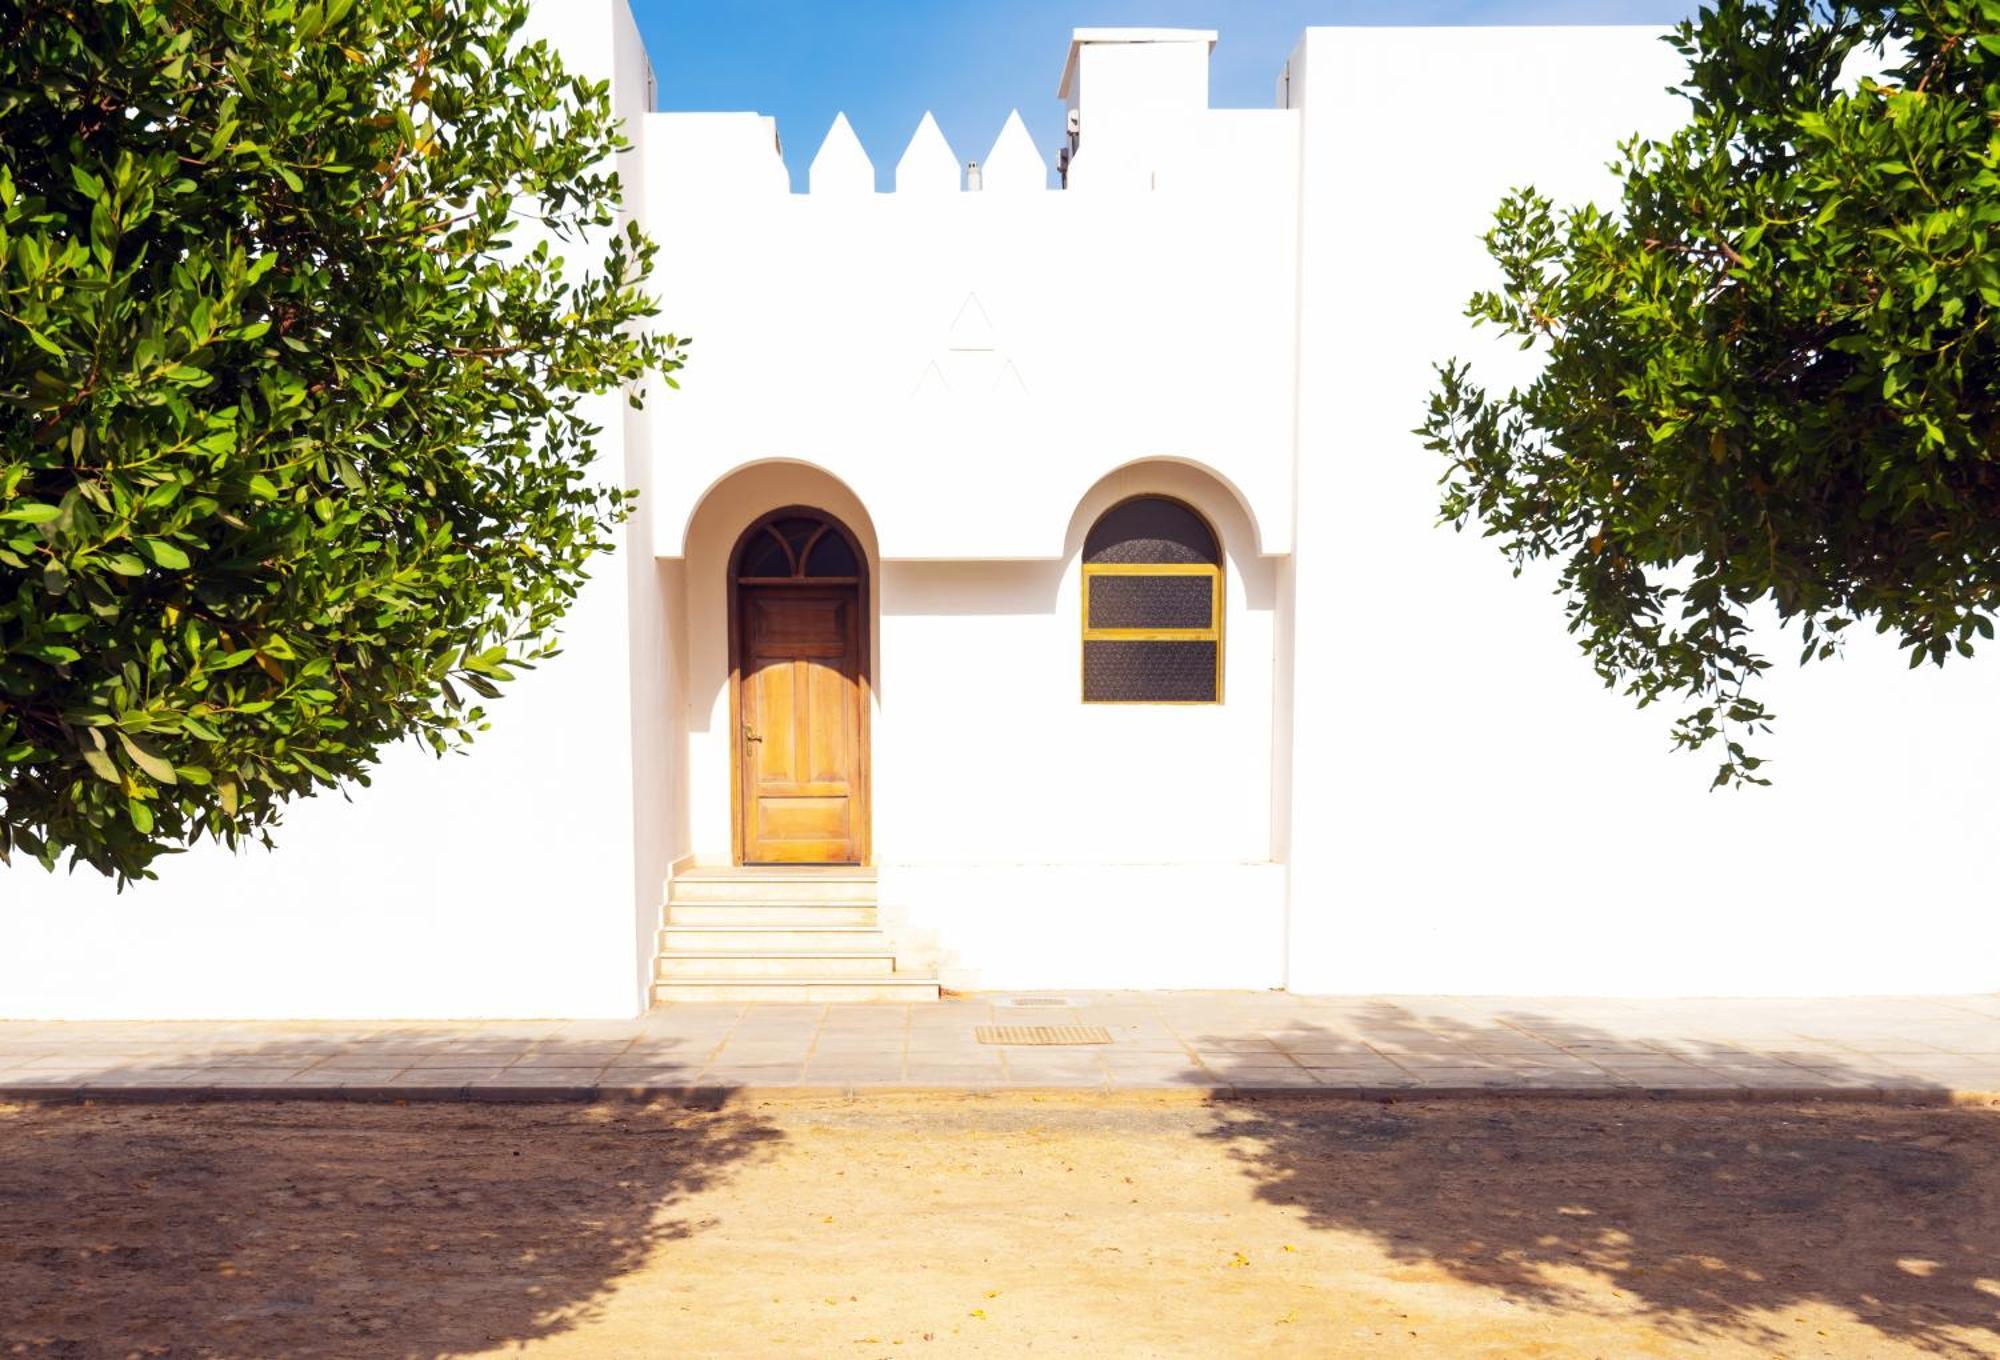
(1152, 606)
(797, 546)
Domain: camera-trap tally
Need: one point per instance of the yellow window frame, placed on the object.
(1212, 633)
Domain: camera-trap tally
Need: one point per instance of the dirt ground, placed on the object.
(904, 1226)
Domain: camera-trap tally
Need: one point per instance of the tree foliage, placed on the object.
(293, 429)
(1772, 375)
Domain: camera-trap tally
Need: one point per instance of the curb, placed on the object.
(715, 1096)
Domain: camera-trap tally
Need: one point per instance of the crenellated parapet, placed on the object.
(741, 152)
(1138, 120)
(917, 319)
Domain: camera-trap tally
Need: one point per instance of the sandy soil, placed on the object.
(895, 1227)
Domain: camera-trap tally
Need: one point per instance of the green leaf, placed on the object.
(164, 554)
(31, 513)
(152, 764)
(100, 765)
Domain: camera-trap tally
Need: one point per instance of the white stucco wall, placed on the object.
(1029, 839)
(512, 881)
(1481, 815)
(1414, 784)
(968, 379)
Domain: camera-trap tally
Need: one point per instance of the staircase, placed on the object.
(779, 933)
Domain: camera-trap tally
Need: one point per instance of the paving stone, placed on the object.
(1318, 1063)
(1467, 1076)
(364, 1062)
(728, 1057)
(694, 1055)
(1457, 1060)
(1273, 1078)
(541, 1076)
(1120, 1075)
(530, 1061)
(343, 1076)
(445, 1076)
(949, 1073)
(466, 1058)
(147, 1076)
(643, 1078)
(753, 1073)
(1018, 1068)
(845, 1074)
(1270, 1058)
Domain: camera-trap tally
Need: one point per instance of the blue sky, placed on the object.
(969, 61)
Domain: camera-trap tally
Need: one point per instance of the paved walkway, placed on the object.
(1198, 1043)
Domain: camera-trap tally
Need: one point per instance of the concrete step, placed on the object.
(779, 937)
(766, 964)
(707, 873)
(740, 914)
(796, 990)
(762, 885)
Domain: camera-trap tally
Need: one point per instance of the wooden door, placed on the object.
(802, 731)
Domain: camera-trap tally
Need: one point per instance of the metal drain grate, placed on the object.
(1032, 1001)
(1042, 1034)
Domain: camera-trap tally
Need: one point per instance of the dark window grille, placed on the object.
(833, 555)
(1152, 606)
(1151, 602)
(1150, 529)
(1127, 672)
(798, 548)
(765, 555)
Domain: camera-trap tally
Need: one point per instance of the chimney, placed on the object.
(1133, 94)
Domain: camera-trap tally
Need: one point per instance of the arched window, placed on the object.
(796, 546)
(1152, 606)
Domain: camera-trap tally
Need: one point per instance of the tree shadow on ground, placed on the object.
(1705, 1218)
(338, 1228)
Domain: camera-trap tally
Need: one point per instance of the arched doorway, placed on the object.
(798, 636)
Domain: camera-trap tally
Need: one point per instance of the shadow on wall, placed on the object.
(1704, 1219)
(313, 1230)
(986, 588)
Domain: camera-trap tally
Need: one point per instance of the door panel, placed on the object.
(801, 738)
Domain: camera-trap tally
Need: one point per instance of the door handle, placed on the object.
(748, 735)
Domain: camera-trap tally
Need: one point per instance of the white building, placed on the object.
(918, 432)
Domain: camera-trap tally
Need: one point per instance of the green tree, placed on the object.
(1772, 376)
(293, 437)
